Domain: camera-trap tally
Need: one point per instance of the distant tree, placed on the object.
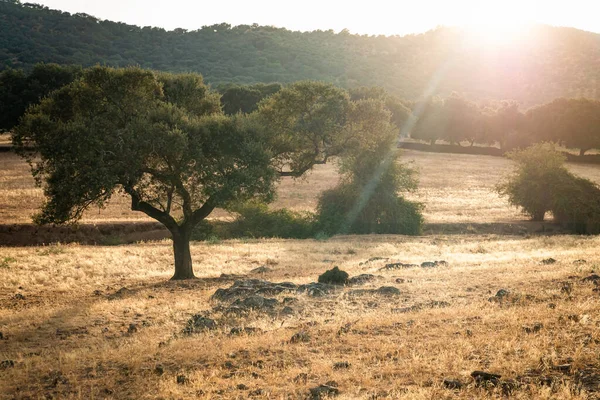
(459, 119)
(19, 90)
(506, 126)
(169, 148)
(400, 112)
(574, 123)
(245, 99)
(431, 120)
(541, 183)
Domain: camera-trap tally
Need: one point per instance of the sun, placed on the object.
(497, 33)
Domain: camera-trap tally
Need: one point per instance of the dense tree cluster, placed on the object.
(572, 123)
(547, 63)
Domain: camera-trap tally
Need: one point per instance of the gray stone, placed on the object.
(199, 323)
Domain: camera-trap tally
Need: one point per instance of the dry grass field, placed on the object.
(455, 188)
(104, 322)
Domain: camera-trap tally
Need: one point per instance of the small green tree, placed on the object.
(530, 187)
(367, 199)
(541, 183)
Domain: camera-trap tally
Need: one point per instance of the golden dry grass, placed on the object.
(455, 188)
(68, 339)
(68, 342)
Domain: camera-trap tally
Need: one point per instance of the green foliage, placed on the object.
(19, 90)
(367, 200)
(245, 99)
(562, 63)
(255, 220)
(308, 121)
(122, 133)
(379, 211)
(538, 169)
(574, 123)
(334, 276)
(541, 183)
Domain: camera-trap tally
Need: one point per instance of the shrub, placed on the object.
(257, 221)
(334, 276)
(541, 183)
(530, 187)
(369, 203)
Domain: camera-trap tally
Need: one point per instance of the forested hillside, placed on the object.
(545, 64)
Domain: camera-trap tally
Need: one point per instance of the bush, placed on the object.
(257, 221)
(334, 276)
(539, 168)
(350, 208)
(541, 183)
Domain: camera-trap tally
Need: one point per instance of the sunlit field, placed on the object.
(86, 322)
(104, 322)
(455, 188)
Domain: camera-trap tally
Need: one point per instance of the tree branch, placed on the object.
(138, 205)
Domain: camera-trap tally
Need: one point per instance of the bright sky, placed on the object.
(370, 16)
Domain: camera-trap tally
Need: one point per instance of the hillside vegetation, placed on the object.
(546, 63)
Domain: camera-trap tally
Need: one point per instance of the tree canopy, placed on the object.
(161, 139)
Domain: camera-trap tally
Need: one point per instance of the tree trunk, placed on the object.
(582, 152)
(183, 256)
(432, 142)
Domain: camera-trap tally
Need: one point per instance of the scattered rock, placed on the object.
(182, 380)
(341, 365)
(579, 262)
(485, 378)
(249, 287)
(287, 311)
(535, 328)
(257, 303)
(549, 261)
(566, 287)
(382, 291)
(246, 330)
(323, 391)
(500, 295)
(452, 384)
(400, 280)
(421, 306)
(387, 291)
(241, 386)
(552, 306)
(199, 323)
(370, 260)
(132, 328)
(318, 289)
(120, 293)
(300, 337)
(361, 279)
(159, 370)
(334, 276)
(588, 379)
(98, 292)
(397, 265)
(594, 278)
(54, 378)
(7, 364)
(19, 296)
(261, 270)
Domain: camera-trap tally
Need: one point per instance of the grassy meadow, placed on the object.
(104, 322)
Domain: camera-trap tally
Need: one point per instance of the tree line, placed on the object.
(572, 123)
(549, 62)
